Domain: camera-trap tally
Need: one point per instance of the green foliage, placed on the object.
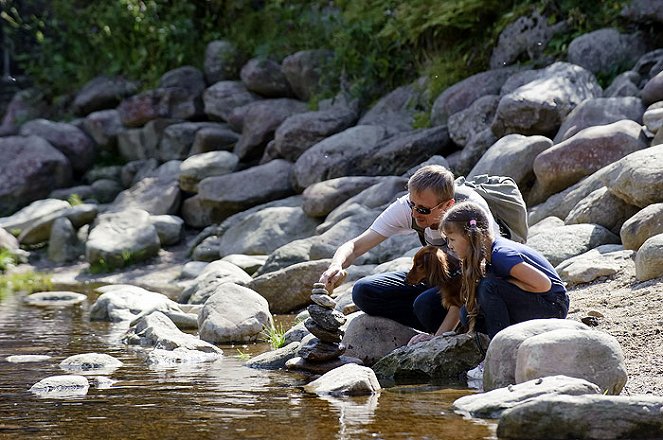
(75, 199)
(103, 265)
(274, 335)
(243, 356)
(28, 282)
(378, 44)
(137, 38)
(7, 259)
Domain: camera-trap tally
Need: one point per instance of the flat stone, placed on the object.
(328, 319)
(316, 350)
(21, 358)
(59, 299)
(65, 385)
(319, 286)
(319, 292)
(325, 300)
(321, 333)
(301, 364)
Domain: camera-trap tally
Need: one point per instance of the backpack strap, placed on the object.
(420, 232)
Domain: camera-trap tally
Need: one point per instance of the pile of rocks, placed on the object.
(323, 350)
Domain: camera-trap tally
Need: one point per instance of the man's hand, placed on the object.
(333, 277)
(421, 337)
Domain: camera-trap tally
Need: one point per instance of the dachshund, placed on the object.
(437, 268)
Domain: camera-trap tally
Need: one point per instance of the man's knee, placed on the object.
(361, 294)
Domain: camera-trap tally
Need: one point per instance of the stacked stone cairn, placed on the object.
(324, 351)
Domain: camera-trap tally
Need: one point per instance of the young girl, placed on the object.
(504, 282)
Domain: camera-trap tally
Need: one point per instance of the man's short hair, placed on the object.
(436, 178)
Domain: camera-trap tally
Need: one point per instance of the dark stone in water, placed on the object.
(316, 350)
(321, 333)
(299, 363)
(326, 318)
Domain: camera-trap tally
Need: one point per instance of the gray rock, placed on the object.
(601, 50)
(234, 314)
(303, 71)
(61, 386)
(370, 338)
(265, 77)
(591, 355)
(643, 225)
(540, 106)
(561, 243)
(225, 96)
(91, 363)
(502, 353)
(442, 360)
(583, 417)
(525, 36)
(222, 61)
(600, 111)
(31, 169)
(54, 299)
(122, 238)
(158, 331)
(275, 359)
(493, 403)
(346, 380)
(649, 259)
(102, 92)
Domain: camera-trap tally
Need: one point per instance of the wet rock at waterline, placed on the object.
(158, 331)
(95, 363)
(493, 403)
(61, 386)
(346, 380)
(24, 358)
(444, 359)
(56, 299)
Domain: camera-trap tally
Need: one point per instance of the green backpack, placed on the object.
(504, 200)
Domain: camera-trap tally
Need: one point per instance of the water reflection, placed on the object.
(215, 400)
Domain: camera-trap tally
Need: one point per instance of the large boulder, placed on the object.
(442, 360)
(540, 105)
(502, 354)
(234, 314)
(119, 239)
(31, 168)
(69, 139)
(591, 355)
(569, 161)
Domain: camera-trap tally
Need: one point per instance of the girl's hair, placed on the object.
(471, 220)
(435, 178)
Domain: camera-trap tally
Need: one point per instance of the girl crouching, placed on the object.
(504, 282)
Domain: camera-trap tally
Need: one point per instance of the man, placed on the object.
(431, 192)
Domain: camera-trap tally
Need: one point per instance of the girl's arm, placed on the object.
(529, 278)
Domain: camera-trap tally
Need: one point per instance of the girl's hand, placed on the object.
(421, 337)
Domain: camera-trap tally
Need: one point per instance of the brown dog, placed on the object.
(435, 267)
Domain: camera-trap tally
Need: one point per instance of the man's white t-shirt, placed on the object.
(397, 218)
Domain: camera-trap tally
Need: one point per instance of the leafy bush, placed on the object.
(378, 44)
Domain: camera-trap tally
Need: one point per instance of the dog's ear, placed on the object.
(436, 267)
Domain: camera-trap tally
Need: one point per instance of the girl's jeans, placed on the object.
(502, 304)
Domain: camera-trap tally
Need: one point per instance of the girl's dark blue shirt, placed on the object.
(507, 253)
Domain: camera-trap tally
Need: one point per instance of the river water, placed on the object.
(219, 400)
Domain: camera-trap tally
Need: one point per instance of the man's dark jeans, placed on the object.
(388, 295)
(502, 304)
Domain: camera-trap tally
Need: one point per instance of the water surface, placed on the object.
(219, 400)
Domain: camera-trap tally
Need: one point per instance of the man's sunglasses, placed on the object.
(421, 209)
